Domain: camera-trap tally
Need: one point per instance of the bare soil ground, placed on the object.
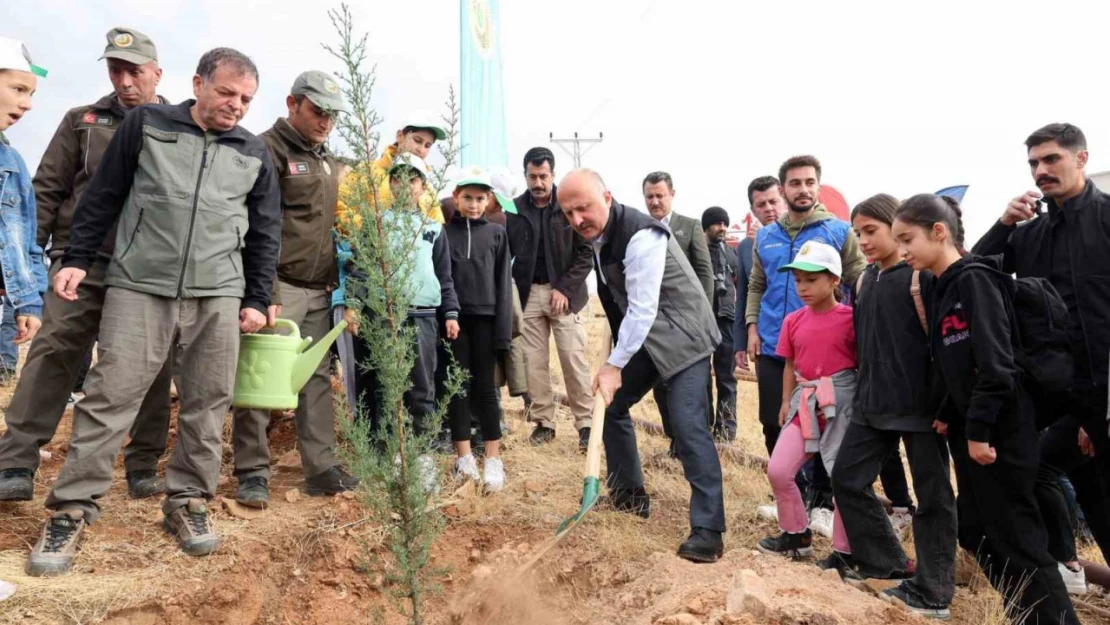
(303, 562)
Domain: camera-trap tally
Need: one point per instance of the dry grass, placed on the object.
(127, 561)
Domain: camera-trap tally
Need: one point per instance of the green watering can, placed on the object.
(273, 367)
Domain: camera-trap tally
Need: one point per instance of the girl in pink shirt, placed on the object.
(819, 345)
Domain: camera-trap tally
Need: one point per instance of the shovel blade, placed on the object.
(591, 487)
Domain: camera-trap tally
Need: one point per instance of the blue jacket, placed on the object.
(20, 256)
(775, 248)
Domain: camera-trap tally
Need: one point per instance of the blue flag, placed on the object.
(482, 99)
(957, 192)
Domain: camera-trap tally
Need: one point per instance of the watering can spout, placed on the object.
(309, 359)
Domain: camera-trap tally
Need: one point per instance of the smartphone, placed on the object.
(1038, 208)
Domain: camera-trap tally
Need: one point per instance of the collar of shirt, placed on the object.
(667, 220)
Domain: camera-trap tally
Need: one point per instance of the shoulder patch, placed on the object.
(97, 120)
(297, 169)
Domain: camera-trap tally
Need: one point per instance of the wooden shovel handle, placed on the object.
(597, 422)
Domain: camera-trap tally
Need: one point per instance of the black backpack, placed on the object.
(1042, 323)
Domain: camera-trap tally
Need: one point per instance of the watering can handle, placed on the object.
(288, 324)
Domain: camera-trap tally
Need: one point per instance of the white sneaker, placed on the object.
(768, 511)
(429, 471)
(821, 521)
(466, 468)
(494, 478)
(1075, 581)
(900, 519)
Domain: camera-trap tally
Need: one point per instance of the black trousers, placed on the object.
(419, 400)
(865, 452)
(999, 521)
(1060, 456)
(687, 402)
(476, 352)
(723, 422)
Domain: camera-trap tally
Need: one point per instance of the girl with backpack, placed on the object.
(894, 404)
(990, 417)
(819, 382)
(481, 269)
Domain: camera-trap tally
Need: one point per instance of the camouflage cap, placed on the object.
(128, 44)
(322, 89)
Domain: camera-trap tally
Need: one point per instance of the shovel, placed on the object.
(591, 484)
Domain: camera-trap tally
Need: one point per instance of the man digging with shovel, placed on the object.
(667, 332)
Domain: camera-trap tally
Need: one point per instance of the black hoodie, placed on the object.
(972, 340)
(482, 270)
(895, 371)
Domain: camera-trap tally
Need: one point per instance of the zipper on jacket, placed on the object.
(468, 239)
(134, 233)
(675, 325)
(192, 219)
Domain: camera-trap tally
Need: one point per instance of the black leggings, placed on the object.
(476, 352)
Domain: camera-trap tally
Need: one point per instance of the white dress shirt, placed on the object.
(644, 263)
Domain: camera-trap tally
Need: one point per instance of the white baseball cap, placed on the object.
(14, 55)
(410, 160)
(424, 121)
(815, 257)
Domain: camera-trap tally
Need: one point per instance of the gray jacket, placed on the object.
(199, 212)
(837, 418)
(691, 240)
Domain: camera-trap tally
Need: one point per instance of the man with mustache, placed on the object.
(70, 328)
(1070, 247)
(196, 251)
(771, 294)
(550, 265)
(308, 175)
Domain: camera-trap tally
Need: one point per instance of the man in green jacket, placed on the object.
(196, 252)
(70, 328)
(308, 174)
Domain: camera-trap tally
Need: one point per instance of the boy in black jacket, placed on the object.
(482, 275)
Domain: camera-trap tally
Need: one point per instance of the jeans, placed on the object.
(696, 451)
(9, 352)
(724, 378)
(864, 453)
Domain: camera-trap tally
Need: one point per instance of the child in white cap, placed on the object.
(22, 270)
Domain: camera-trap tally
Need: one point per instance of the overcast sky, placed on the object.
(893, 97)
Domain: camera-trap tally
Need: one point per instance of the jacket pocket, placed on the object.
(134, 234)
(166, 164)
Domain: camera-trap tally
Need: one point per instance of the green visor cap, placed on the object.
(321, 89)
(128, 44)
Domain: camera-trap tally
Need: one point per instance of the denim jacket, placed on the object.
(20, 256)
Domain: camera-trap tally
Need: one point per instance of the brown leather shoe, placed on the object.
(53, 553)
(192, 528)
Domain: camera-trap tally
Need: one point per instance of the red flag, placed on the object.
(834, 202)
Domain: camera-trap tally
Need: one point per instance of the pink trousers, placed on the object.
(786, 461)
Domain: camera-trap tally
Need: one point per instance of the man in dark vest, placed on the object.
(667, 332)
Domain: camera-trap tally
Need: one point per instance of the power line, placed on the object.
(576, 151)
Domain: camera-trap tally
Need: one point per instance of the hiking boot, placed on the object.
(703, 545)
(842, 563)
(144, 483)
(788, 545)
(542, 435)
(466, 468)
(631, 501)
(17, 485)
(253, 492)
(902, 596)
(584, 439)
(331, 482)
(493, 476)
(53, 553)
(190, 525)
